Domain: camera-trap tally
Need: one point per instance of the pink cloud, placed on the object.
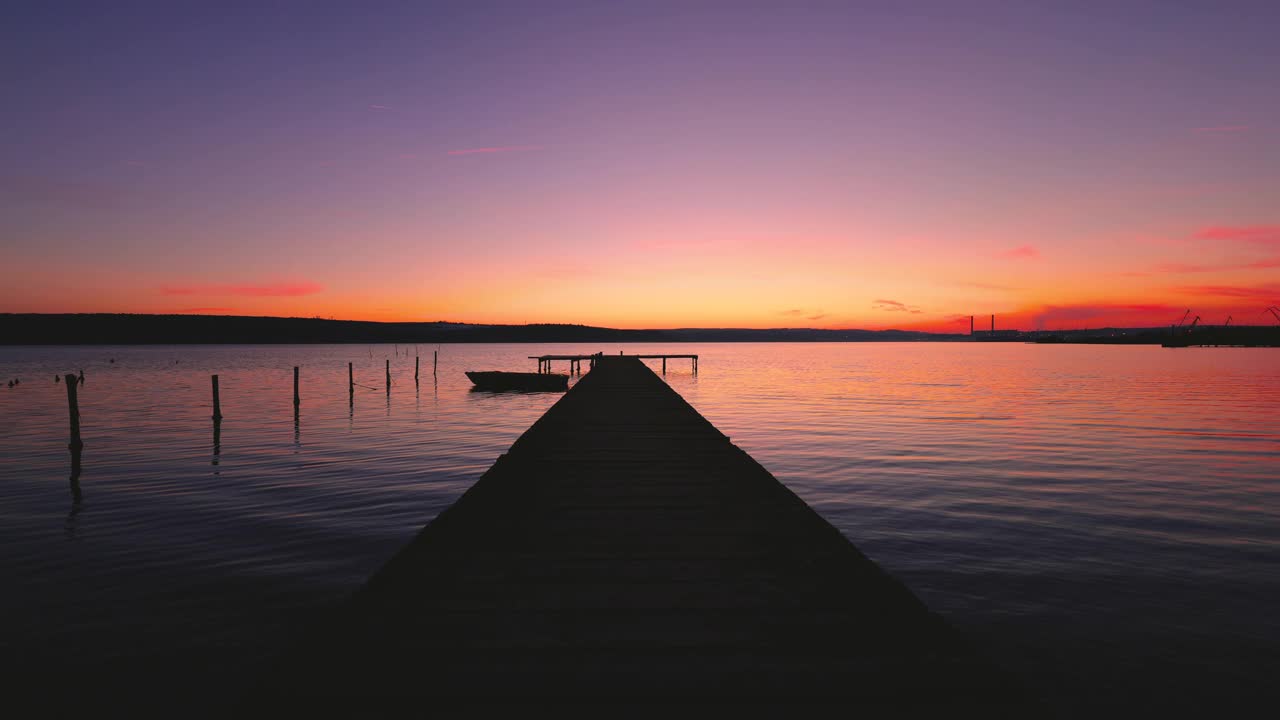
(502, 149)
(287, 289)
(1022, 252)
(1266, 234)
(1223, 129)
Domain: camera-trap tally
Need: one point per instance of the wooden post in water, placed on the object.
(388, 377)
(296, 399)
(351, 384)
(415, 369)
(664, 366)
(435, 361)
(73, 406)
(217, 404)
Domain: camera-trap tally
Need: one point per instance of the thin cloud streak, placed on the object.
(1266, 294)
(1096, 314)
(806, 313)
(1266, 234)
(985, 286)
(1175, 268)
(290, 289)
(895, 306)
(491, 150)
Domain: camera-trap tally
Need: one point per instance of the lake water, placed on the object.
(1104, 521)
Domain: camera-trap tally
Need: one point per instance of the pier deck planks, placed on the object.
(624, 551)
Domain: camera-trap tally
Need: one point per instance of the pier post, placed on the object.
(351, 384)
(217, 403)
(435, 361)
(664, 366)
(297, 400)
(415, 369)
(388, 377)
(73, 407)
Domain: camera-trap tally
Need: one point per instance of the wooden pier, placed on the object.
(624, 552)
(575, 361)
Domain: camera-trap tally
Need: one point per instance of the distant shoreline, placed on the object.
(127, 329)
(138, 329)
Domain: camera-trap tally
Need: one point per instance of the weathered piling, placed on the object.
(388, 377)
(296, 399)
(217, 402)
(435, 362)
(351, 384)
(73, 409)
(415, 369)
(623, 550)
(217, 442)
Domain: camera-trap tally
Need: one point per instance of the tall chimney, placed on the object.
(993, 324)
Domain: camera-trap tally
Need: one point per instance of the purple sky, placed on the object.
(844, 164)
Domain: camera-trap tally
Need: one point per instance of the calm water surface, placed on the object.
(1105, 521)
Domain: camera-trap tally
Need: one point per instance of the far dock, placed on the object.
(625, 553)
(575, 361)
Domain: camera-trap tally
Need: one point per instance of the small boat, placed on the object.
(496, 380)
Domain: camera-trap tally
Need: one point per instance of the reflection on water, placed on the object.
(1095, 517)
(77, 496)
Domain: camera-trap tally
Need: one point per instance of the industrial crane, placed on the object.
(1274, 311)
(1193, 324)
(1227, 324)
(1185, 315)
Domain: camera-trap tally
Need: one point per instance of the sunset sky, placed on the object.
(851, 164)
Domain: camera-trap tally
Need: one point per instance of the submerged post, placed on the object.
(296, 399)
(73, 407)
(388, 377)
(415, 369)
(435, 361)
(351, 383)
